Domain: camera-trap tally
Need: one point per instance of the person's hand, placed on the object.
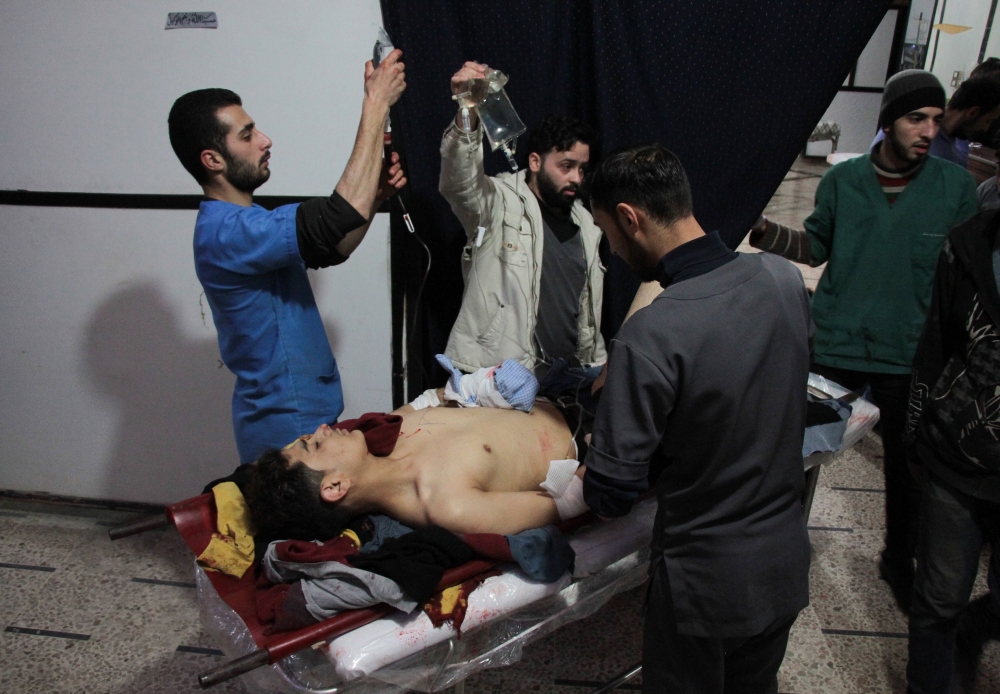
(469, 71)
(384, 84)
(392, 178)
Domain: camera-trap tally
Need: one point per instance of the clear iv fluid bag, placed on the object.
(500, 121)
(488, 97)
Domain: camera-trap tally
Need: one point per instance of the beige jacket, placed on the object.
(503, 275)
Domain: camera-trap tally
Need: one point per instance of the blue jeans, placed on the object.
(953, 529)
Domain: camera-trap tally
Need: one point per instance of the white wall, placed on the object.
(109, 362)
(857, 112)
(857, 115)
(960, 52)
(87, 87)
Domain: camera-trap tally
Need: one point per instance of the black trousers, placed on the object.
(891, 393)
(681, 664)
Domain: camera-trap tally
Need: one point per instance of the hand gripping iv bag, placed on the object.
(500, 121)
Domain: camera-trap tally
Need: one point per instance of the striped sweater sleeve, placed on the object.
(789, 243)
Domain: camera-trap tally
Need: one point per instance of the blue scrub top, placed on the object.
(271, 335)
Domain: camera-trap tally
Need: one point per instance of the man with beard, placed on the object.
(534, 280)
(968, 116)
(879, 223)
(252, 262)
(709, 381)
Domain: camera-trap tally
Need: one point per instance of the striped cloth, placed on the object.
(894, 182)
(793, 244)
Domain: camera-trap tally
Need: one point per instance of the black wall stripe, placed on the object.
(126, 201)
(132, 201)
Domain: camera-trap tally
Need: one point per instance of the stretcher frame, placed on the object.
(298, 668)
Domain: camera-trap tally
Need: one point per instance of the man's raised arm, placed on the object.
(330, 229)
(463, 182)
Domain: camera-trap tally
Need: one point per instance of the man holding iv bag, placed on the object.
(534, 282)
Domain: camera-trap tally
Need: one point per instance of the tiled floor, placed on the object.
(82, 614)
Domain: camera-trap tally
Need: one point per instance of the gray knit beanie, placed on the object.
(907, 91)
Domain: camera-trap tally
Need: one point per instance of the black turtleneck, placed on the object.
(693, 258)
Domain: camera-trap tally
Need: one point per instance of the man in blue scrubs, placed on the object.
(252, 262)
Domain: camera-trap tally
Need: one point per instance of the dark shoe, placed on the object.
(899, 576)
(978, 624)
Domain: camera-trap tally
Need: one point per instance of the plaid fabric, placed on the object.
(510, 381)
(516, 384)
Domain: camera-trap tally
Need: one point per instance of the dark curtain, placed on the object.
(733, 87)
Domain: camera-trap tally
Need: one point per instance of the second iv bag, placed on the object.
(500, 121)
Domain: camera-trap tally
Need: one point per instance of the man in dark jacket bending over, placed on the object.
(710, 378)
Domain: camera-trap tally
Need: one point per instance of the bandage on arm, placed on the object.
(571, 504)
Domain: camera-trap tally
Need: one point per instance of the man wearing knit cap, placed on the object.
(880, 221)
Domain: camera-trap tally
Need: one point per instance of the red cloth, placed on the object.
(269, 598)
(381, 430)
(304, 552)
(489, 546)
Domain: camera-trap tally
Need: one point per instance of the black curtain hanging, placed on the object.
(733, 87)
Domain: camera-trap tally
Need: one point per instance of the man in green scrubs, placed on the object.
(879, 223)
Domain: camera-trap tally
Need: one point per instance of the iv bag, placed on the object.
(383, 47)
(500, 121)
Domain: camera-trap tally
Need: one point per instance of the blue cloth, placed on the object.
(827, 437)
(954, 150)
(270, 332)
(383, 528)
(543, 554)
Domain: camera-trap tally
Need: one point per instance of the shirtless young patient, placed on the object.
(466, 470)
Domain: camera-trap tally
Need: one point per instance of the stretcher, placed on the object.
(379, 649)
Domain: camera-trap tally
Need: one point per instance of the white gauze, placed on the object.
(561, 473)
(429, 398)
(571, 503)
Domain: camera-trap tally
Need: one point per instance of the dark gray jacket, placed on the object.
(713, 373)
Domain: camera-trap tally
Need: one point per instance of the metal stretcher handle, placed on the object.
(234, 668)
(160, 520)
(620, 679)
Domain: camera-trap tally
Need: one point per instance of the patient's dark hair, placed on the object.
(285, 501)
(195, 127)
(649, 177)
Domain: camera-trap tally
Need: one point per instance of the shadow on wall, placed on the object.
(174, 395)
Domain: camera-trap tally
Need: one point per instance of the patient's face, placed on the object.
(329, 449)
